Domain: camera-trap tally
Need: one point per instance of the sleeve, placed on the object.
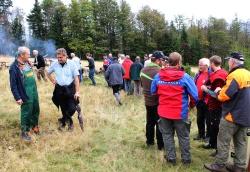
(107, 73)
(123, 71)
(154, 84)
(191, 87)
(91, 63)
(51, 69)
(13, 85)
(228, 90)
(219, 83)
(74, 69)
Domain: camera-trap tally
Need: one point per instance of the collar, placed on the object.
(151, 64)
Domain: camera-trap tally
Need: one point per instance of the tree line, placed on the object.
(103, 26)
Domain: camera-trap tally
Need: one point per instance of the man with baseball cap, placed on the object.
(235, 96)
(151, 101)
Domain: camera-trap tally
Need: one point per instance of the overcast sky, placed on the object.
(199, 9)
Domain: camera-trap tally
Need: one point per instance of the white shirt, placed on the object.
(77, 62)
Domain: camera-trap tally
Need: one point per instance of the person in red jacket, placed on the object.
(202, 111)
(127, 82)
(174, 88)
(216, 79)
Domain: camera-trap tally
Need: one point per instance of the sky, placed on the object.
(197, 9)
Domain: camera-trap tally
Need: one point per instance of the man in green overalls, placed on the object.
(24, 90)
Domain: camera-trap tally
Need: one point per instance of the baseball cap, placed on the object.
(236, 55)
(158, 55)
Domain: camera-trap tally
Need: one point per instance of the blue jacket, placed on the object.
(174, 87)
(114, 74)
(17, 83)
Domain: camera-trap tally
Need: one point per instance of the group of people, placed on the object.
(221, 99)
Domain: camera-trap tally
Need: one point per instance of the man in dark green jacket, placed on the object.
(135, 70)
(151, 101)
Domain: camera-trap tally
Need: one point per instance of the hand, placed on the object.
(53, 82)
(217, 90)
(77, 95)
(204, 88)
(19, 102)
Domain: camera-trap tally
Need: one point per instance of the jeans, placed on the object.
(137, 88)
(92, 76)
(127, 85)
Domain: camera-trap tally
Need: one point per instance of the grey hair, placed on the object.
(205, 61)
(61, 51)
(35, 52)
(122, 56)
(22, 50)
(237, 62)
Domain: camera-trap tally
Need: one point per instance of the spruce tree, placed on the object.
(36, 22)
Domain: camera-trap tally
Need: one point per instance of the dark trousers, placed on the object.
(63, 97)
(68, 108)
(152, 122)
(203, 119)
(92, 76)
(215, 116)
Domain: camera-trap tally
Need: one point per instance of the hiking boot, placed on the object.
(71, 127)
(160, 147)
(186, 161)
(61, 124)
(170, 161)
(198, 138)
(208, 146)
(216, 167)
(25, 136)
(150, 144)
(234, 168)
(36, 130)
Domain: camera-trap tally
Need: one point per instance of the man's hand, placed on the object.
(204, 88)
(53, 81)
(217, 90)
(77, 95)
(19, 102)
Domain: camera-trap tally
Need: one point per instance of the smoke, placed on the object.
(7, 45)
(45, 48)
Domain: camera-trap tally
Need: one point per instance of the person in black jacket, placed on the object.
(39, 62)
(135, 71)
(91, 67)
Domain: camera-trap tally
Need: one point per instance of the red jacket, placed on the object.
(173, 87)
(126, 65)
(216, 79)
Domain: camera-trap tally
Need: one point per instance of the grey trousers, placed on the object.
(168, 128)
(137, 88)
(227, 132)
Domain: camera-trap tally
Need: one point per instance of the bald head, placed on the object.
(174, 59)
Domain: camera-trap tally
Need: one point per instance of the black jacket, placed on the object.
(91, 63)
(39, 61)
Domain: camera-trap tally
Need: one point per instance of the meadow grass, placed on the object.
(113, 139)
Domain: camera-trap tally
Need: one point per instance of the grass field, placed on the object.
(113, 140)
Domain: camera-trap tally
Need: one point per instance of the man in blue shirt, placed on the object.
(66, 92)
